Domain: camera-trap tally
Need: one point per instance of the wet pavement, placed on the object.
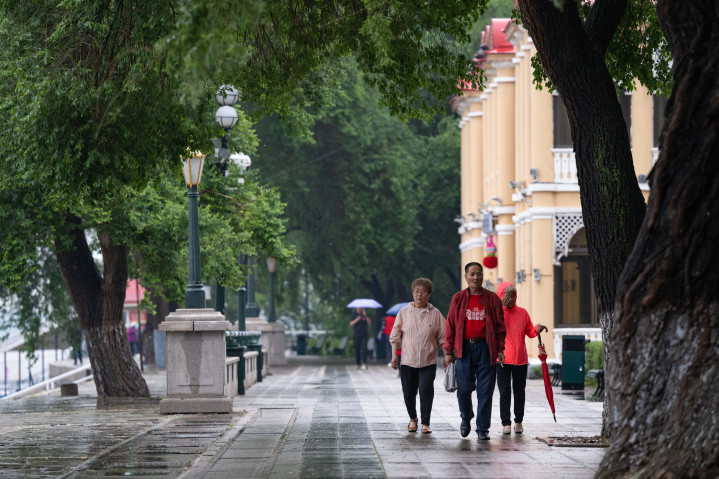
(314, 418)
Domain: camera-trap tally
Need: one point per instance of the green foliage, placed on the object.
(638, 52)
(370, 202)
(535, 372)
(411, 51)
(594, 355)
(495, 9)
(41, 304)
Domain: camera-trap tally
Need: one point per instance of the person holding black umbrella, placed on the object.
(360, 322)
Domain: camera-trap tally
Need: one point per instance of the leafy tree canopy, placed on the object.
(637, 53)
(370, 202)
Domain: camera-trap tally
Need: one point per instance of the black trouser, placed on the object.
(422, 379)
(361, 348)
(518, 377)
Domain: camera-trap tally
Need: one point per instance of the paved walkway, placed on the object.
(310, 419)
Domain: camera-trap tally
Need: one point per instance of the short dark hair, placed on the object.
(473, 263)
(424, 282)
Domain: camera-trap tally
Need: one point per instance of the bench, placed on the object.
(556, 374)
(317, 348)
(340, 350)
(598, 374)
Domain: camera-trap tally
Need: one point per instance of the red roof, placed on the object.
(132, 290)
(498, 42)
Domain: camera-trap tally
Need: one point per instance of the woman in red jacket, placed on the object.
(514, 369)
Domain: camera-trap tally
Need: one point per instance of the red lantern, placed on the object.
(490, 251)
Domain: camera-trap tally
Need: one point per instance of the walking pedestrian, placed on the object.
(512, 375)
(131, 337)
(360, 322)
(474, 338)
(419, 331)
(386, 331)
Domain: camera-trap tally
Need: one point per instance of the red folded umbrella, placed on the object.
(545, 374)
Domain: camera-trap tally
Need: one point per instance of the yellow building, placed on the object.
(518, 170)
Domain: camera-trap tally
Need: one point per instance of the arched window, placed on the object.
(574, 300)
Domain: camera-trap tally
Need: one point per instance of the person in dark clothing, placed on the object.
(360, 322)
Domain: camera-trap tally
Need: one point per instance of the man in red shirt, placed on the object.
(474, 336)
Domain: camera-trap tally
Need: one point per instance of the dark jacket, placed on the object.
(454, 328)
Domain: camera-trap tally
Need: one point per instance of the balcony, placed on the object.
(565, 165)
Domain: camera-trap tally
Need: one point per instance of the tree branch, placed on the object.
(603, 21)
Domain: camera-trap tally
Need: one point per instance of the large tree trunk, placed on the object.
(572, 55)
(663, 383)
(99, 301)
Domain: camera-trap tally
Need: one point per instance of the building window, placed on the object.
(625, 102)
(574, 300)
(660, 105)
(562, 132)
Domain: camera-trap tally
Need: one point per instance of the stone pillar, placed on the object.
(273, 339)
(195, 362)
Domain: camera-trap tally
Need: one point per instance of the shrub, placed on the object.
(595, 355)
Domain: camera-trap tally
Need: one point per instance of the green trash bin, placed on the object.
(301, 345)
(573, 357)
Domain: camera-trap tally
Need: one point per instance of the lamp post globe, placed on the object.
(227, 95)
(226, 116)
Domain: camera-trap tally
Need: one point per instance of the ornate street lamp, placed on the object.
(272, 267)
(226, 117)
(192, 170)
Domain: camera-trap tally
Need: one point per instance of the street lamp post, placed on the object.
(194, 293)
(226, 116)
(251, 310)
(272, 267)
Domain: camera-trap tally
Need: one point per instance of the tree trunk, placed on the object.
(572, 55)
(663, 384)
(99, 302)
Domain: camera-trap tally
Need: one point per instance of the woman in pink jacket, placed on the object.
(512, 375)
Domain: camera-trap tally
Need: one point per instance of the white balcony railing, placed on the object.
(565, 165)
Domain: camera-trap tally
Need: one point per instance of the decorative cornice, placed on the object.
(555, 187)
(501, 64)
(504, 80)
(469, 226)
(471, 244)
(505, 230)
(544, 213)
(504, 210)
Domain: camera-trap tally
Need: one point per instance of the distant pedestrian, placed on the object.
(131, 337)
(360, 322)
(386, 331)
(474, 337)
(419, 331)
(514, 370)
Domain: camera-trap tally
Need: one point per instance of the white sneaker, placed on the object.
(389, 365)
(364, 366)
(506, 430)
